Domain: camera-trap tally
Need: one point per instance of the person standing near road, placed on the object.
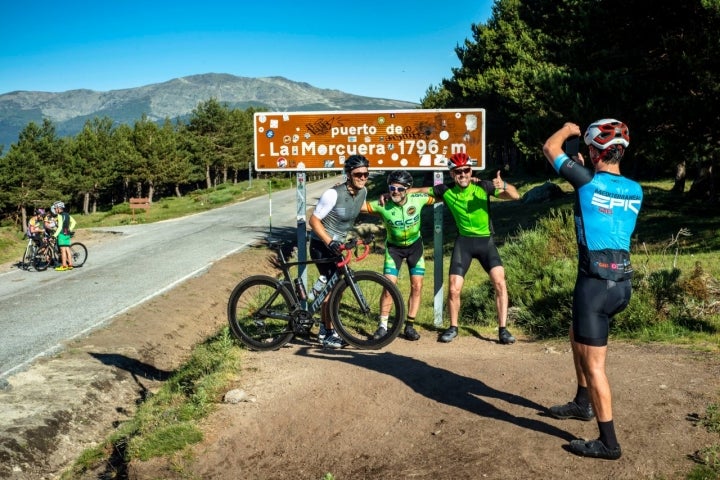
(331, 221)
(63, 234)
(401, 217)
(51, 221)
(606, 210)
(469, 204)
(36, 227)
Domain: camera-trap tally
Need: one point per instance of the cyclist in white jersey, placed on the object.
(331, 221)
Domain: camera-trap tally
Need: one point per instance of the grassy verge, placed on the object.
(13, 242)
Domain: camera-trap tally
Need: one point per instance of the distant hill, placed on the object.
(173, 99)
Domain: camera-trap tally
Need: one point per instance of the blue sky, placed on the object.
(387, 49)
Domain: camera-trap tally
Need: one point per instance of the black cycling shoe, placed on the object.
(449, 334)
(505, 337)
(594, 449)
(572, 410)
(410, 333)
(379, 333)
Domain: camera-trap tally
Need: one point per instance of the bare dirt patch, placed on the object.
(469, 409)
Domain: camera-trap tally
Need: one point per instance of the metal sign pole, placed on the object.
(270, 203)
(302, 227)
(438, 255)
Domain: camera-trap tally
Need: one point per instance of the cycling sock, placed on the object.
(383, 321)
(607, 434)
(582, 397)
(410, 321)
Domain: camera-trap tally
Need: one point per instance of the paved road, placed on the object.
(39, 310)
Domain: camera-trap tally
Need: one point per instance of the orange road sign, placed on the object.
(390, 140)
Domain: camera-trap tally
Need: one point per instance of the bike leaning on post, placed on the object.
(40, 257)
(265, 312)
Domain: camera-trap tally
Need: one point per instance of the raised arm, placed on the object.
(507, 191)
(554, 145)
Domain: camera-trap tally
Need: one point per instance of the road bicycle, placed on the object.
(41, 255)
(265, 312)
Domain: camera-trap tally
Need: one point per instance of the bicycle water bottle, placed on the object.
(300, 289)
(319, 285)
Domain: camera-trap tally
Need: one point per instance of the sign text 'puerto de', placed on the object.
(391, 140)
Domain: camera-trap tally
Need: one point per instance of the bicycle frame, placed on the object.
(343, 271)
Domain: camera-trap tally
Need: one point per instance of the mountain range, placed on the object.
(173, 99)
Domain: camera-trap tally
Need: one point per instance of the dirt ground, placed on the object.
(423, 410)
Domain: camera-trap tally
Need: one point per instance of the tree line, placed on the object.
(654, 65)
(533, 65)
(105, 164)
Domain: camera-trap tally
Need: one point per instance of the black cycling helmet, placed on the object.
(402, 177)
(355, 161)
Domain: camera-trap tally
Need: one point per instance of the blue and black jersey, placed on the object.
(606, 209)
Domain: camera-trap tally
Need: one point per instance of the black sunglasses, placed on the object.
(361, 174)
(458, 171)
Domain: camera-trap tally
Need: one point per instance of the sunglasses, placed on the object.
(393, 188)
(462, 171)
(361, 175)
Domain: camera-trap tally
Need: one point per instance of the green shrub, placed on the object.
(540, 269)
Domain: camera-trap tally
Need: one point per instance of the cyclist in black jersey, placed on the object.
(606, 209)
(469, 202)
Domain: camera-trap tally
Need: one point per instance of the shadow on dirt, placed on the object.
(136, 368)
(444, 386)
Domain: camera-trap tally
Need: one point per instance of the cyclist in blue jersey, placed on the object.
(401, 217)
(607, 205)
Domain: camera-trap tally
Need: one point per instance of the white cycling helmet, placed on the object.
(59, 204)
(607, 132)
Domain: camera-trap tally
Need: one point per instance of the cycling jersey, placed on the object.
(606, 209)
(402, 222)
(469, 206)
(338, 209)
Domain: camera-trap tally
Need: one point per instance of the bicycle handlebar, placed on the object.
(348, 247)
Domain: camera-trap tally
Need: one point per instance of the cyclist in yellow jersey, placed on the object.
(36, 227)
(401, 217)
(469, 203)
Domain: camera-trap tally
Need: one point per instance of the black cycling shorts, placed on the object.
(395, 255)
(319, 250)
(467, 248)
(595, 302)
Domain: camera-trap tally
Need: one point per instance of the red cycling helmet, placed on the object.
(607, 132)
(459, 159)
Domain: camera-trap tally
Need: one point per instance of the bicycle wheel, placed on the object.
(27, 256)
(356, 317)
(259, 313)
(78, 251)
(41, 258)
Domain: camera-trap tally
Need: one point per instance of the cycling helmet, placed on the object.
(459, 159)
(355, 161)
(40, 211)
(402, 177)
(607, 132)
(59, 204)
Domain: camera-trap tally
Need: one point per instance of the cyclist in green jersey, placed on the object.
(469, 203)
(401, 217)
